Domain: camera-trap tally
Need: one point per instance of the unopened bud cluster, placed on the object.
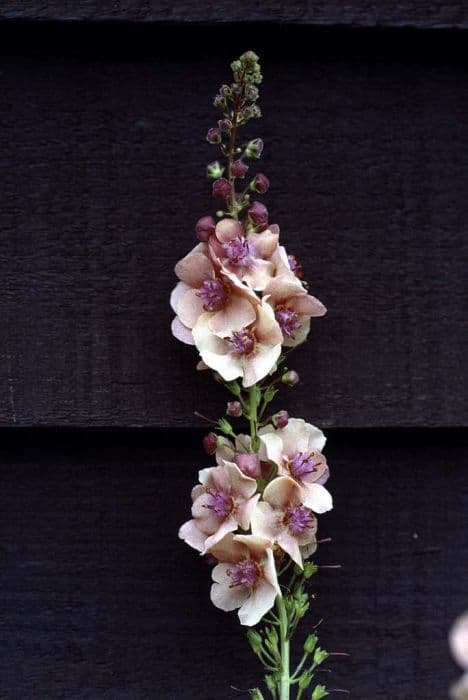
(238, 104)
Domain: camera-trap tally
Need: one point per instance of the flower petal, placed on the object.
(190, 308)
(258, 364)
(317, 498)
(181, 332)
(195, 267)
(237, 314)
(190, 533)
(282, 491)
(260, 601)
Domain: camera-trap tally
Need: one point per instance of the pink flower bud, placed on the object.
(234, 408)
(239, 168)
(290, 378)
(205, 227)
(225, 125)
(261, 184)
(249, 464)
(258, 213)
(210, 443)
(254, 149)
(221, 188)
(213, 135)
(280, 419)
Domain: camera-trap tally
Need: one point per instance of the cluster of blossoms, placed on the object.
(242, 302)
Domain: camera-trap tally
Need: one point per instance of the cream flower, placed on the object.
(250, 352)
(245, 577)
(223, 501)
(282, 518)
(296, 450)
(205, 288)
(458, 640)
(293, 307)
(245, 256)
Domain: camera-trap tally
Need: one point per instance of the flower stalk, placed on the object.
(242, 302)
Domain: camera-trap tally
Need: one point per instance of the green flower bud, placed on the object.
(272, 636)
(251, 92)
(214, 170)
(234, 388)
(254, 149)
(255, 641)
(305, 680)
(249, 58)
(236, 66)
(271, 682)
(319, 692)
(256, 694)
(309, 569)
(320, 656)
(310, 643)
(225, 426)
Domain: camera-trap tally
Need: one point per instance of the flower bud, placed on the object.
(290, 378)
(319, 692)
(310, 643)
(239, 168)
(280, 419)
(255, 641)
(260, 184)
(256, 694)
(258, 213)
(225, 426)
(236, 66)
(247, 113)
(305, 679)
(251, 92)
(214, 170)
(257, 78)
(271, 682)
(214, 135)
(309, 569)
(256, 111)
(249, 464)
(210, 443)
(221, 188)
(205, 227)
(234, 408)
(320, 656)
(219, 101)
(254, 149)
(225, 125)
(225, 91)
(248, 58)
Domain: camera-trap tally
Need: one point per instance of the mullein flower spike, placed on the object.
(241, 302)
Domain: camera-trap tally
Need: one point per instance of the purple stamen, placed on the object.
(288, 321)
(242, 342)
(213, 295)
(220, 503)
(245, 573)
(239, 251)
(298, 519)
(302, 463)
(295, 266)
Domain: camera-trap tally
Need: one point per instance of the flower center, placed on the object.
(298, 519)
(239, 251)
(242, 342)
(220, 503)
(245, 573)
(288, 321)
(301, 464)
(213, 295)
(295, 266)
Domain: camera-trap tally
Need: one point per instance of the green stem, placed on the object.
(253, 418)
(284, 630)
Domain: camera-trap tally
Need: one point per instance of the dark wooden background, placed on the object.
(102, 121)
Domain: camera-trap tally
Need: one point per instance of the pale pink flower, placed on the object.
(458, 640)
(245, 577)
(296, 450)
(246, 256)
(205, 288)
(293, 307)
(250, 352)
(223, 501)
(281, 517)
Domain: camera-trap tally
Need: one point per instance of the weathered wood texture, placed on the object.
(415, 13)
(102, 154)
(100, 600)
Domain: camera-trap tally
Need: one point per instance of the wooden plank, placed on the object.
(100, 599)
(102, 154)
(366, 13)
